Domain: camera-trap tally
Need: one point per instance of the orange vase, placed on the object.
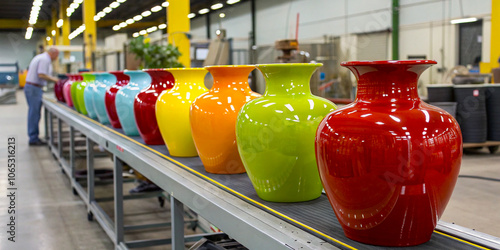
(213, 118)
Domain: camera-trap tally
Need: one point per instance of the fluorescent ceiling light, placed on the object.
(154, 28)
(463, 20)
(222, 15)
(203, 11)
(130, 21)
(217, 6)
(32, 21)
(73, 5)
(116, 27)
(107, 10)
(123, 24)
(53, 32)
(37, 3)
(142, 32)
(114, 5)
(48, 38)
(97, 18)
(191, 15)
(136, 34)
(138, 18)
(35, 8)
(59, 23)
(156, 8)
(146, 13)
(78, 1)
(29, 32)
(162, 26)
(121, 1)
(232, 1)
(165, 4)
(101, 14)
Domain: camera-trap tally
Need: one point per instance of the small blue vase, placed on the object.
(125, 100)
(88, 97)
(102, 83)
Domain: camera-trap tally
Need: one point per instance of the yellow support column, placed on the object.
(65, 29)
(178, 27)
(89, 35)
(55, 36)
(495, 39)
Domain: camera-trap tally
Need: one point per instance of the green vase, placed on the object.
(73, 94)
(78, 90)
(275, 134)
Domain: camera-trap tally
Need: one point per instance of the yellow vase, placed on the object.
(172, 110)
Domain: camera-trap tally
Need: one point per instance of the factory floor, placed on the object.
(50, 216)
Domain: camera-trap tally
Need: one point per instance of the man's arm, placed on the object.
(47, 77)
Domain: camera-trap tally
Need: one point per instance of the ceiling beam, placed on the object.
(42, 24)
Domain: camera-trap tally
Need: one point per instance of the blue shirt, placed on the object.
(41, 64)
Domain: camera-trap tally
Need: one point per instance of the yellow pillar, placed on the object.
(48, 29)
(178, 27)
(89, 35)
(495, 39)
(65, 29)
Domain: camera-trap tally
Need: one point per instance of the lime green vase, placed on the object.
(73, 94)
(275, 134)
(78, 90)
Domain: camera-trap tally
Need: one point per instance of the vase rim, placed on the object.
(116, 72)
(388, 62)
(126, 72)
(287, 64)
(185, 69)
(155, 70)
(229, 66)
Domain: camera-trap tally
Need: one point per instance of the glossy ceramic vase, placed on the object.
(102, 83)
(213, 118)
(88, 94)
(172, 110)
(275, 134)
(388, 161)
(109, 98)
(77, 92)
(67, 88)
(125, 100)
(58, 87)
(145, 105)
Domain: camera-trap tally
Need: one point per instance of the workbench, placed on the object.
(227, 201)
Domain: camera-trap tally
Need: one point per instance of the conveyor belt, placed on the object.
(316, 217)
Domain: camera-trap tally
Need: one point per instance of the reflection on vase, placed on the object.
(275, 134)
(88, 94)
(103, 81)
(125, 100)
(172, 110)
(388, 161)
(121, 80)
(213, 118)
(145, 104)
(58, 87)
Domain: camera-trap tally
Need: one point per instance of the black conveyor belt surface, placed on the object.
(317, 215)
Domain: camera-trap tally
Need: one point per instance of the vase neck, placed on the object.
(287, 79)
(387, 83)
(230, 77)
(186, 77)
(161, 79)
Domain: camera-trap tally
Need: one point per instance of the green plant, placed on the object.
(153, 55)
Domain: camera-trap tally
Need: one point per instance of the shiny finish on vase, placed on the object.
(275, 134)
(121, 80)
(145, 105)
(67, 88)
(125, 100)
(172, 110)
(213, 118)
(77, 92)
(88, 95)
(388, 161)
(58, 88)
(102, 83)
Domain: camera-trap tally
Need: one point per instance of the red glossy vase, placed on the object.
(109, 98)
(388, 161)
(58, 87)
(145, 104)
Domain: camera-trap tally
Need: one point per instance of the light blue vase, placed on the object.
(125, 100)
(88, 95)
(102, 83)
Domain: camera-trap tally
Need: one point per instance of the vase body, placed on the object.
(58, 87)
(109, 99)
(213, 118)
(275, 134)
(145, 104)
(388, 161)
(172, 110)
(125, 97)
(102, 83)
(77, 92)
(67, 88)
(88, 93)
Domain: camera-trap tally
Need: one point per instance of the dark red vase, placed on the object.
(145, 104)
(58, 87)
(109, 98)
(388, 161)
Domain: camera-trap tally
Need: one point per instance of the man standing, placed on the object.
(39, 72)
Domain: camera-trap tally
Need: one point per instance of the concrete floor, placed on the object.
(49, 216)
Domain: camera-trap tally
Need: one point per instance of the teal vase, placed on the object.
(102, 83)
(88, 96)
(275, 134)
